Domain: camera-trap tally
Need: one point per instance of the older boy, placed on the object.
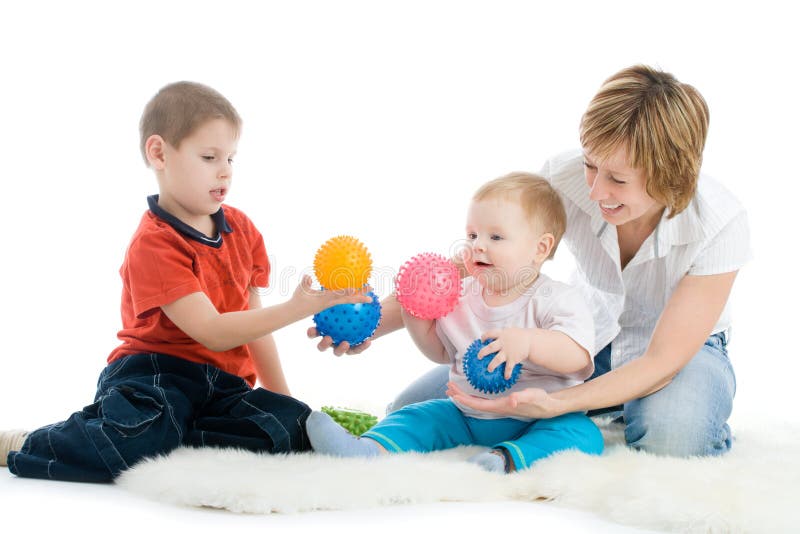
(514, 225)
(194, 335)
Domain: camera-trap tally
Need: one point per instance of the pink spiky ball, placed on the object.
(428, 286)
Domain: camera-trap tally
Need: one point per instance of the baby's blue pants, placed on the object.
(439, 424)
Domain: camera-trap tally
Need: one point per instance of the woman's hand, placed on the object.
(531, 402)
(390, 321)
(342, 348)
(318, 300)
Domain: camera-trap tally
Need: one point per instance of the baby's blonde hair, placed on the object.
(539, 201)
(661, 122)
(179, 108)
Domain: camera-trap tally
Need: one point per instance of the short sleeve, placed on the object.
(564, 167)
(569, 313)
(259, 262)
(727, 251)
(158, 270)
(259, 271)
(447, 343)
(545, 171)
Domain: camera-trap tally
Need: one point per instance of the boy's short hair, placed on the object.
(179, 108)
(539, 201)
(661, 122)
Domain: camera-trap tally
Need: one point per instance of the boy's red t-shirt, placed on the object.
(163, 264)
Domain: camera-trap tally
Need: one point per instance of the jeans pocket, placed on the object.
(128, 411)
(717, 341)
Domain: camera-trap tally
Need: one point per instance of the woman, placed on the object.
(657, 251)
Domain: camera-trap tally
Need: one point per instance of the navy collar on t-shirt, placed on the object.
(218, 217)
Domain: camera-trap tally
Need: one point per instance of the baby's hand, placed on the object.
(460, 260)
(512, 345)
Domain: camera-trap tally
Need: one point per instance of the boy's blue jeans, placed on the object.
(439, 424)
(149, 404)
(688, 417)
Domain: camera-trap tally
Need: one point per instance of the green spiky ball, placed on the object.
(353, 421)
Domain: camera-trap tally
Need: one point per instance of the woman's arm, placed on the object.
(391, 318)
(265, 358)
(684, 325)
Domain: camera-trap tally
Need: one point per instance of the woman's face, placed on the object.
(618, 188)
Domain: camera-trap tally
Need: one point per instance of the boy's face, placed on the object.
(195, 177)
(504, 250)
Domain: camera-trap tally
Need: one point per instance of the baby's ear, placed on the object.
(154, 150)
(544, 246)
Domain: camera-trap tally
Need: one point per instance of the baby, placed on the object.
(514, 224)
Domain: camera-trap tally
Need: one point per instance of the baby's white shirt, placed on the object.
(547, 304)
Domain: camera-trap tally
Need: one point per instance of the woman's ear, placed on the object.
(544, 247)
(154, 150)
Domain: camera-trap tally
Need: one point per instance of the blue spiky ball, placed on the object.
(478, 375)
(350, 322)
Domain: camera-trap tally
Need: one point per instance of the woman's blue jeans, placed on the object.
(688, 417)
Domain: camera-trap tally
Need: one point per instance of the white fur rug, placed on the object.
(753, 488)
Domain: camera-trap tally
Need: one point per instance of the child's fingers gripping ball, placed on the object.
(428, 286)
(354, 421)
(477, 372)
(353, 323)
(342, 262)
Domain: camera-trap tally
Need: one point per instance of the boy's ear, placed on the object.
(544, 247)
(154, 150)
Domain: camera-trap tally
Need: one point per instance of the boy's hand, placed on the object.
(312, 301)
(341, 348)
(512, 345)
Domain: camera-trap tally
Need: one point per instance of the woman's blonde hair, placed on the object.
(181, 107)
(539, 201)
(661, 122)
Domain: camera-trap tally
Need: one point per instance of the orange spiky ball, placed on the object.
(342, 262)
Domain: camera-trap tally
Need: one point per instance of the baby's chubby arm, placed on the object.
(550, 349)
(197, 316)
(423, 332)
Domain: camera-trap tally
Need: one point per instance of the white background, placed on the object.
(374, 119)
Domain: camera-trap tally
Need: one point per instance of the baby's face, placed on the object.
(502, 251)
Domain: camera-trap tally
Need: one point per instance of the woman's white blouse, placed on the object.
(711, 236)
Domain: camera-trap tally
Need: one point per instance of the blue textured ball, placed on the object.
(350, 322)
(479, 377)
